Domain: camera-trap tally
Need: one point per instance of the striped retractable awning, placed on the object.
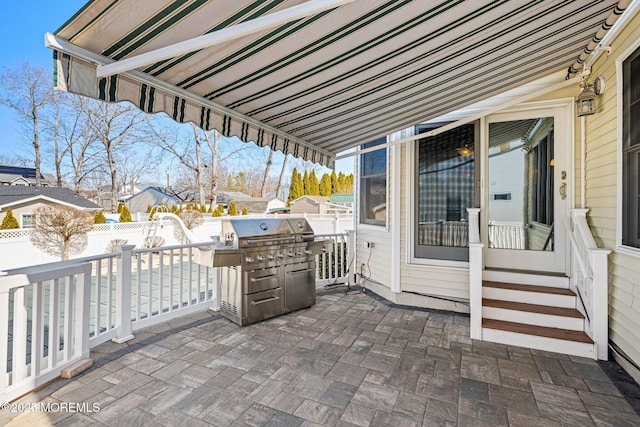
(320, 84)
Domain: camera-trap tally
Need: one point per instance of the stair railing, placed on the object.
(476, 264)
(589, 279)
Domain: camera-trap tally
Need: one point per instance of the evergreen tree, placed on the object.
(99, 218)
(325, 185)
(218, 211)
(342, 183)
(245, 211)
(314, 185)
(233, 209)
(125, 214)
(9, 222)
(335, 185)
(306, 185)
(297, 187)
(119, 210)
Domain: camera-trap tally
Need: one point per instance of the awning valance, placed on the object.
(328, 81)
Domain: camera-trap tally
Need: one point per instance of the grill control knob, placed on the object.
(248, 259)
(280, 255)
(291, 254)
(260, 258)
(307, 252)
(270, 256)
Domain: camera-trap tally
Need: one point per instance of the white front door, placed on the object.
(526, 188)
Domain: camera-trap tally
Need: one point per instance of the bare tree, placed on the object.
(282, 175)
(115, 126)
(27, 91)
(135, 165)
(60, 230)
(267, 169)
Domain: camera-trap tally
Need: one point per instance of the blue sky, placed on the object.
(23, 31)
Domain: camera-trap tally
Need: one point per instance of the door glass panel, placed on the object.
(445, 189)
(521, 184)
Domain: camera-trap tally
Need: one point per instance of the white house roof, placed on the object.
(341, 73)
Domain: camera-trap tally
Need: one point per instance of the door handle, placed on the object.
(563, 190)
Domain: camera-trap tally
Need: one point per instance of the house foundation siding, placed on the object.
(602, 198)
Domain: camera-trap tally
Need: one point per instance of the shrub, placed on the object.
(218, 211)
(233, 209)
(9, 221)
(245, 211)
(99, 218)
(125, 214)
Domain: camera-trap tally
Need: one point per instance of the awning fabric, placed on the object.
(322, 84)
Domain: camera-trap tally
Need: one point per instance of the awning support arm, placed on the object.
(230, 33)
(464, 121)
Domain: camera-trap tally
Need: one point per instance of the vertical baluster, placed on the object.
(199, 274)
(138, 286)
(171, 288)
(19, 335)
(149, 282)
(98, 298)
(37, 329)
(124, 294)
(160, 281)
(181, 279)
(189, 250)
(68, 317)
(54, 317)
(109, 324)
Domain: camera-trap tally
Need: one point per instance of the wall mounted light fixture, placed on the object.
(587, 102)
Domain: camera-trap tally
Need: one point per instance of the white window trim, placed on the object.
(22, 215)
(364, 225)
(410, 215)
(628, 250)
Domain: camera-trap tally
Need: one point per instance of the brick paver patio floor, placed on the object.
(351, 360)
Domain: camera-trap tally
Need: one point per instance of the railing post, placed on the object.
(123, 294)
(600, 291)
(82, 310)
(475, 273)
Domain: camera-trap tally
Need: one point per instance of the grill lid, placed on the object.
(244, 232)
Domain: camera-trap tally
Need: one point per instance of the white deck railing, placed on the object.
(44, 325)
(589, 279)
(74, 305)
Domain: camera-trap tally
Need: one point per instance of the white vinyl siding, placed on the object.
(602, 170)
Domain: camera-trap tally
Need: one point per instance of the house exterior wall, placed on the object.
(304, 206)
(28, 209)
(602, 169)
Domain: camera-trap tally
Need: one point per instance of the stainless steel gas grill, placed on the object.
(268, 267)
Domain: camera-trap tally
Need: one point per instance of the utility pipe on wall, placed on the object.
(583, 162)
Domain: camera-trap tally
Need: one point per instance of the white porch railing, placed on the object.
(332, 267)
(507, 236)
(44, 325)
(589, 279)
(72, 306)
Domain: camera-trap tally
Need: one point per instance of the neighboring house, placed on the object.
(242, 200)
(168, 196)
(277, 205)
(340, 203)
(13, 175)
(309, 205)
(24, 200)
(466, 116)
